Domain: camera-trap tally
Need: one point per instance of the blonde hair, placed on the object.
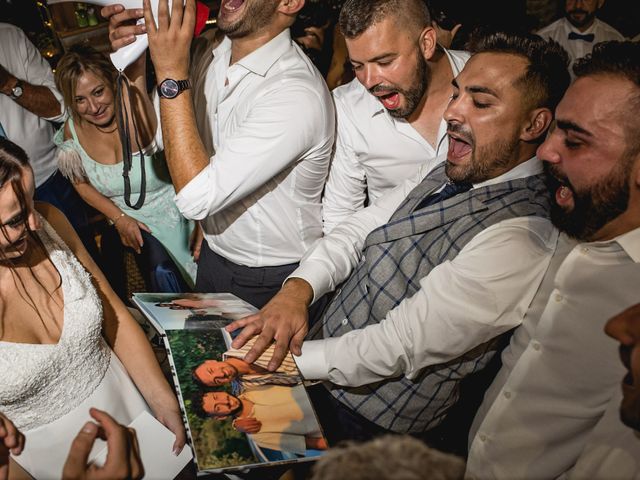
(73, 64)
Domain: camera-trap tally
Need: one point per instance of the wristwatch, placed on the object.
(170, 88)
(16, 91)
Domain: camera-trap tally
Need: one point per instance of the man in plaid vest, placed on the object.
(438, 272)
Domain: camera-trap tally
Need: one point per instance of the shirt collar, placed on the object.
(262, 59)
(531, 167)
(630, 243)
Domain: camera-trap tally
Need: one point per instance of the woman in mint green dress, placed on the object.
(90, 155)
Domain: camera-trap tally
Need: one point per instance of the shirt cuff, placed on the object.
(191, 200)
(313, 362)
(313, 276)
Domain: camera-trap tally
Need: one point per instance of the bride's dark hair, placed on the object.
(13, 163)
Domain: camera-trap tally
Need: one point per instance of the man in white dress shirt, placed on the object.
(580, 29)
(447, 302)
(560, 373)
(613, 448)
(258, 198)
(389, 118)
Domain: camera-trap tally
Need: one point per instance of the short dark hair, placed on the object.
(357, 16)
(197, 404)
(621, 59)
(614, 58)
(547, 76)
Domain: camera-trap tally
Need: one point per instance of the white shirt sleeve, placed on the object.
(330, 261)
(345, 191)
(278, 131)
(484, 291)
(38, 72)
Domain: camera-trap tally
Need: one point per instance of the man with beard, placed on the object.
(435, 277)
(579, 30)
(258, 198)
(390, 116)
(560, 372)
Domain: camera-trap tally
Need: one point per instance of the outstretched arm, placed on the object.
(321, 270)
(462, 303)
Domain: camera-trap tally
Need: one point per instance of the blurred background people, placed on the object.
(580, 28)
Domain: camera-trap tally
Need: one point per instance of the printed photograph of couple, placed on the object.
(238, 413)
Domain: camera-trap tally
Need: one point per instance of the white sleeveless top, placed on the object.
(47, 390)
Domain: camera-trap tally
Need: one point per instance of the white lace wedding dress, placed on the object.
(47, 390)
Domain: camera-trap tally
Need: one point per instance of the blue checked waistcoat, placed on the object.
(396, 256)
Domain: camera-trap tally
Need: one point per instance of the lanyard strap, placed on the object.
(122, 118)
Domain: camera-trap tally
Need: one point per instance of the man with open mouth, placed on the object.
(389, 118)
(553, 408)
(434, 273)
(258, 198)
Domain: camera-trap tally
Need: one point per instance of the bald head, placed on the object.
(357, 16)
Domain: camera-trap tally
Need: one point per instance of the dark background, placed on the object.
(622, 14)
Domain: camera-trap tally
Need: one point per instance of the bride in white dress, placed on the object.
(67, 343)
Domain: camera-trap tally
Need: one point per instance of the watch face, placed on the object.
(169, 88)
(17, 91)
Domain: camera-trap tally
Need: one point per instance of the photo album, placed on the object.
(237, 414)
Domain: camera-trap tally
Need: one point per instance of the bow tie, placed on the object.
(589, 37)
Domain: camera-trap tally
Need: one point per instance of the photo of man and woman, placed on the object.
(237, 413)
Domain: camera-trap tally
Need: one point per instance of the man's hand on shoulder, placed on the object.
(284, 318)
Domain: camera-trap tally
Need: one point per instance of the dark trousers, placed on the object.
(255, 285)
(158, 270)
(59, 192)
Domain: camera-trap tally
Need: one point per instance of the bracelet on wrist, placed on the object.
(113, 222)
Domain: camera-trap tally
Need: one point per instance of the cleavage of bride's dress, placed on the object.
(51, 328)
(42, 382)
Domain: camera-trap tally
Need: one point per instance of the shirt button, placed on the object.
(483, 437)
(345, 322)
(559, 297)
(507, 395)
(536, 346)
